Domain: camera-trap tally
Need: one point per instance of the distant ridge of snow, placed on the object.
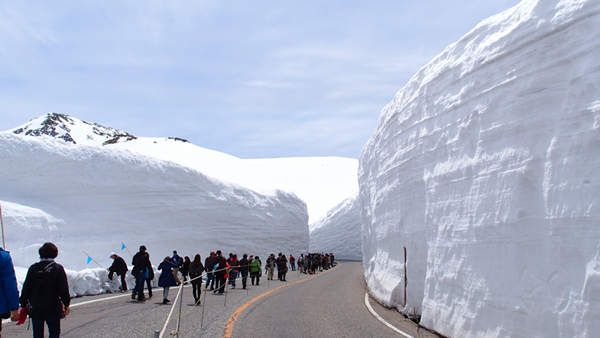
(339, 232)
(485, 168)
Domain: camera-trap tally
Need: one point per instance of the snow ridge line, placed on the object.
(383, 320)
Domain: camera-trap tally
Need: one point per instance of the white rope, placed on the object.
(162, 332)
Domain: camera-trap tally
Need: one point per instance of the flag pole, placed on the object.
(90, 257)
(2, 223)
(125, 247)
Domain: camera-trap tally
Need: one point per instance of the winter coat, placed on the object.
(45, 287)
(255, 267)
(221, 264)
(281, 264)
(196, 271)
(166, 278)
(209, 263)
(140, 263)
(185, 268)
(235, 264)
(118, 266)
(9, 295)
(244, 268)
(176, 260)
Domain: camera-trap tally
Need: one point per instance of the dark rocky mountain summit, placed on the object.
(61, 126)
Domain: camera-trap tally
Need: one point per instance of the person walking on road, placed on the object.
(301, 263)
(176, 260)
(185, 268)
(282, 268)
(9, 294)
(255, 270)
(141, 270)
(220, 273)
(244, 268)
(196, 269)
(149, 277)
(235, 268)
(209, 265)
(167, 277)
(120, 268)
(293, 262)
(270, 265)
(45, 292)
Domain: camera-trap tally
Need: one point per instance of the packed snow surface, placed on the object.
(339, 231)
(95, 199)
(485, 168)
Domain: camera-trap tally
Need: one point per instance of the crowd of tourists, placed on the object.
(313, 262)
(220, 271)
(45, 294)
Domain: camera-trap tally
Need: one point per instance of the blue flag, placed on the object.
(123, 246)
(89, 259)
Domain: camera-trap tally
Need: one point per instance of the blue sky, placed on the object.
(254, 79)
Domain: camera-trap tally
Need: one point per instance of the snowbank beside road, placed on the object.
(321, 182)
(484, 167)
(92, 199)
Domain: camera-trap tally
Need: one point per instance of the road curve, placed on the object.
(331, 305)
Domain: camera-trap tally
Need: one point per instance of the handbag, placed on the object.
(63, 314)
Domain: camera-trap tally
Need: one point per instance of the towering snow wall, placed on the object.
(88, 198)
(339, 231)
(485, 168)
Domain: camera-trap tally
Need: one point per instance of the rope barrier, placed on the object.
(162, 332)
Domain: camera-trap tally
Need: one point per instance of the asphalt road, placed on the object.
(328, 304)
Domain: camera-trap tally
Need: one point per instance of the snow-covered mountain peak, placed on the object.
(72, 130)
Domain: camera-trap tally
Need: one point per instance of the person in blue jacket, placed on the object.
(9, 296)
(167, 279)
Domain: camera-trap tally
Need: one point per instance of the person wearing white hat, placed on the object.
(120, 268)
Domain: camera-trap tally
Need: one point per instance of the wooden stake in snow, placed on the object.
(405, 278)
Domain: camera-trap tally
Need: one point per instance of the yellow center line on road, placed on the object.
(235, 315)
